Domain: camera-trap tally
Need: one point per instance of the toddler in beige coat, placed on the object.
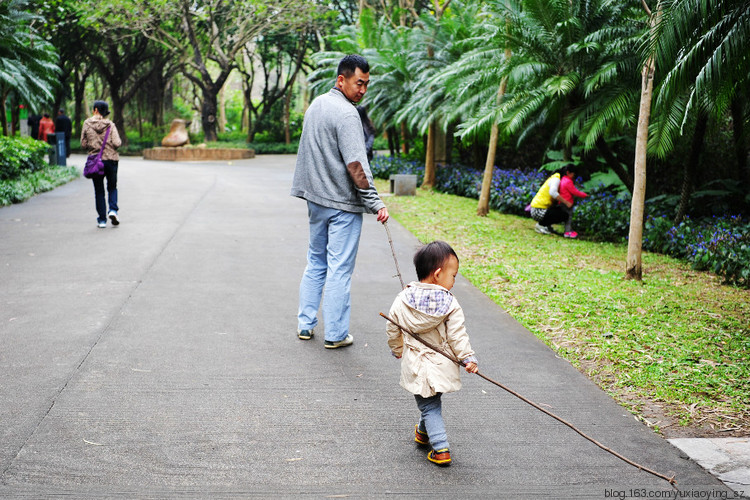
(427, 308)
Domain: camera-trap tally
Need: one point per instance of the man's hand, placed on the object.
(383, 215)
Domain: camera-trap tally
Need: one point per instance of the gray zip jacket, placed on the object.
(332, 168)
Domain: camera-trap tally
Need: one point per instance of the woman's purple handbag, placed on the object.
(94, 164)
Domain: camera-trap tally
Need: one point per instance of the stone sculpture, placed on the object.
(178, 135)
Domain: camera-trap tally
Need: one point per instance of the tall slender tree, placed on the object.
(633, 264)
(571, 72)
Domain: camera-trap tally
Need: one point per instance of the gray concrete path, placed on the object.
(159, 360)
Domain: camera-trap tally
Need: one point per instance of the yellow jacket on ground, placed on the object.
(544, 197)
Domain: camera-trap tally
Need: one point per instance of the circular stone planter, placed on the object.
(197, 154)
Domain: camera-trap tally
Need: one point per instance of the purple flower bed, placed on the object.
(718, 244)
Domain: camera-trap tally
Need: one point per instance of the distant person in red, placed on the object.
(46, 126)
(568, 190)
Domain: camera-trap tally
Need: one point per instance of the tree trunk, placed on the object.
(79, 89)
(222, 123)
(483, 208)
(208, 114)
(612, 162)
(118, 116)
(691, 166)
(15, 116)
(4, 116)
(429, 161)
(248, 118)
(450, 136)
(404, 139)
(287, 102)
(738, 133)
(633, 266)
(394, 142)
(288, 111)
(440, 147)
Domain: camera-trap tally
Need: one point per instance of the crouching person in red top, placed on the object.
(568, 191)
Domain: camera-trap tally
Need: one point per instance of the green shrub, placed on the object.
(233, 136)
(23, 154)
(603, 216)
(382, 167)
(717, 244)
(29, 183)
(273, 148)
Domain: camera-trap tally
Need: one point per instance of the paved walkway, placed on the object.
(159, 360)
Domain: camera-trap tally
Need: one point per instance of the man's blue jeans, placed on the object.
(334, 241)
(431, 420)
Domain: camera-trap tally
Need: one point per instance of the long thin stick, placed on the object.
(671, 480)
(390, 241)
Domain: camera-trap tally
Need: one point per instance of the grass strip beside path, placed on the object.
(673, 349)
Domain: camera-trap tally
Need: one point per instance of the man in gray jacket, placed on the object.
(333, 175)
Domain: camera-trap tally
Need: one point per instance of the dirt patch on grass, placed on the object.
(660, 416)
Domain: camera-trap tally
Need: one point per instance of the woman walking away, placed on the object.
(92, 137)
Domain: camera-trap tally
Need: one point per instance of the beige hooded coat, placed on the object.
(432, 312)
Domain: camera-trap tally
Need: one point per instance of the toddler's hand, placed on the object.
(472, 367)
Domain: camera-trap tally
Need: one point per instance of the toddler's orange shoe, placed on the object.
(440, 457)
(420, 438)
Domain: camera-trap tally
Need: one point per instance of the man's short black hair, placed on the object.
(431, 257)
(349, 64)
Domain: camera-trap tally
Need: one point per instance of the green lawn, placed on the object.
(674, 349)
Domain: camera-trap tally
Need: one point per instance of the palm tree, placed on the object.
(571, 71)
(28, 63)
(633, 267)
(703, 46)
(393, 81)
(388, 50)
(437, 44)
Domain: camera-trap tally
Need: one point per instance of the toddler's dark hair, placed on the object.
(431, 257)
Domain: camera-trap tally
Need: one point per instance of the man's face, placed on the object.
(355, 86)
